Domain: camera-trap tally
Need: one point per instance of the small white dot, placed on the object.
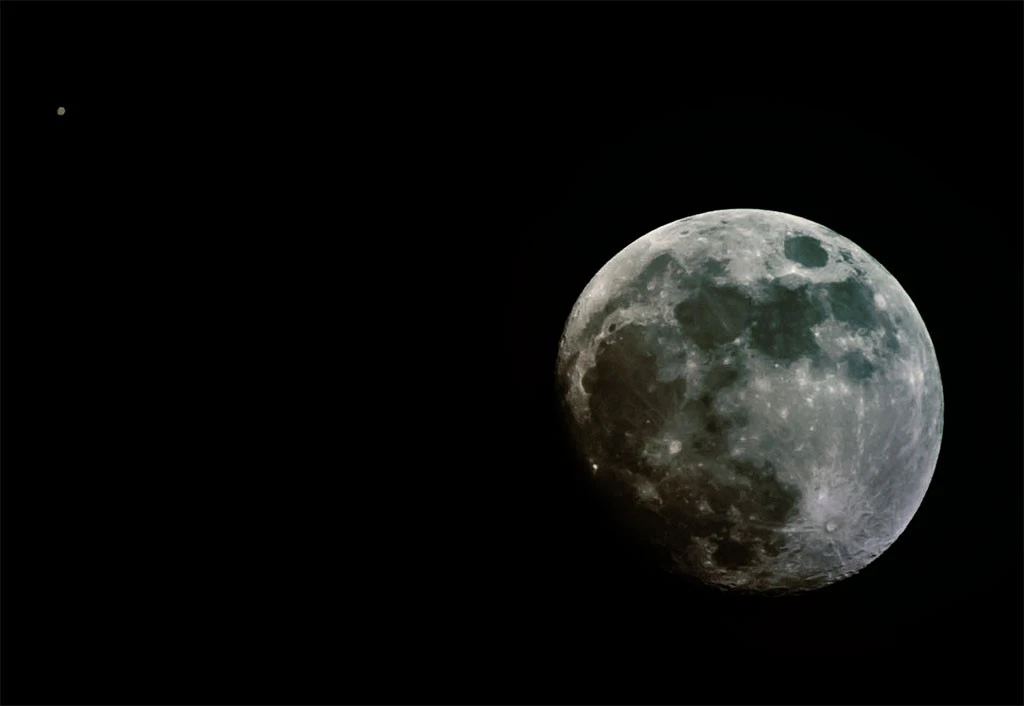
(60, 110)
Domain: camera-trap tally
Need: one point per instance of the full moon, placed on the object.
(756, 396)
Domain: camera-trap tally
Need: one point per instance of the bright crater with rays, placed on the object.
(757, 397)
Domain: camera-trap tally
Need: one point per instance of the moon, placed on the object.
(756, 396)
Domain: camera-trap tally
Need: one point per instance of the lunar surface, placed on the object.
(757, 397)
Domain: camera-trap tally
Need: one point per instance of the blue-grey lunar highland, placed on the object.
(757, 396)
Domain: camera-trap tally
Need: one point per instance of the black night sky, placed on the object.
(282, 293)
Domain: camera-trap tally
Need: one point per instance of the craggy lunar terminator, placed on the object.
(757, 396)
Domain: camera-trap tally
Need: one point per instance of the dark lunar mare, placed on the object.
(628, 404)
(624, 394)
(782, 327)
(805, 250)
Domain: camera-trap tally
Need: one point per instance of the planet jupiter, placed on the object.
(757, 398)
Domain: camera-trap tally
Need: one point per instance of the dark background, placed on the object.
(282, 294)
